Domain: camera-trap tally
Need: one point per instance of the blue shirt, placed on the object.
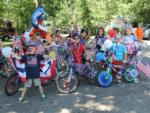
(119, 51)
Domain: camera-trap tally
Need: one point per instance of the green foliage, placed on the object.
(64, 13)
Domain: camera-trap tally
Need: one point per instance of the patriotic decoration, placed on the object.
(40, 49)
(20, 68)
(90, 54)
(130, 48)
(48, 68)
(144, 68)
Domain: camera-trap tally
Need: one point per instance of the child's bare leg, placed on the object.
(37, 82)
(6, 70)
(41, 89)
(27, 84)
(24, 91)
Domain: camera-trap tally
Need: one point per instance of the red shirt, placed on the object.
(77, 51)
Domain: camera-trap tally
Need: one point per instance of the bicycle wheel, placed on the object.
(131, 74)
(12, 85)
(64, 85)
(129, 78)
(46, 82)
(105, 79)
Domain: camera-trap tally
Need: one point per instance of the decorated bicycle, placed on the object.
(117, 70)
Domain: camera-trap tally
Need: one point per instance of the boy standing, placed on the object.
(78, 50)
(32, 67)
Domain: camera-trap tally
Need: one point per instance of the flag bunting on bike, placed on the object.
(48, 68)
(144, 68)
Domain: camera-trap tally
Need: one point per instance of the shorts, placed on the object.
(36, 82)
(115, 62)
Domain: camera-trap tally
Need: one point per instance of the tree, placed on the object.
(65, 12)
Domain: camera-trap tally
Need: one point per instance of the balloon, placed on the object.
(6, 51)
(105, 79)
(27, 36)
(32, 32)
(108, 44)
(112, 33)
(52, 55)
(37, 22)
(35, 30)
(100, 57)
(38, 16)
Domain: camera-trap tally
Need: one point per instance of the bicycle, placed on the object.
(89, 70)
(6, 69)
(118, 71)
(14, 82)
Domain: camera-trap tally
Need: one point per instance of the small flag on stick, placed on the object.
(144, 68)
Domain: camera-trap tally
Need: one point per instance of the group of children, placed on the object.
(33, 53)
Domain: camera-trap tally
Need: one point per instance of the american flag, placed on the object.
(89, 54)
(40, 49)
(144, 68)
(48, 68)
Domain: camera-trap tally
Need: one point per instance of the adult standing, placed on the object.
(97, 28)
(139, 33)
(58, 35)
(17, 43)
(75, 31)
(35, 41)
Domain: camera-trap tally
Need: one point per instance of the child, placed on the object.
(75, 32)
(17, 43)
(100, 38)
(84, 36)
(3, 60)
(58, 35)
(131, 42)
(119, 54)
(77, 50)
(32, 67)
(1, 46)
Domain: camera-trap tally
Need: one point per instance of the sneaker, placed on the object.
(119, 81)
(21, 99)
(43, 97)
